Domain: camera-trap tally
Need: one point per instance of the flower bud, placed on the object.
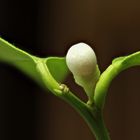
(81, 61)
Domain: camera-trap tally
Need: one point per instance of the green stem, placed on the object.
(92, 116)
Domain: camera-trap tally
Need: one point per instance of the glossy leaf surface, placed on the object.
(119, 64)
(28, 63)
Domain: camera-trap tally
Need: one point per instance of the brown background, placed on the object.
(48, 28)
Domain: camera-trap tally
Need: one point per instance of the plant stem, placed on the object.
(90, 113)
(92, 116)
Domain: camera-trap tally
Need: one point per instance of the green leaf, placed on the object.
(129, 61)
(54, 68)
(57, 67)
(22, 60)
(119, 64)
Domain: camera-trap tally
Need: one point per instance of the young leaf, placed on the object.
(119, 64)
(28, 63)
(57, 67)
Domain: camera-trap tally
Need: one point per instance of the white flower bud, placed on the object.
(81, 60)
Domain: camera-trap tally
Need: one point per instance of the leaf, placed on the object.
(128, 61)
(118, 64)
(22, 60)
(28, 63)
(57, 67)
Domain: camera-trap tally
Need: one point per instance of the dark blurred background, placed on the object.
(48, 28)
